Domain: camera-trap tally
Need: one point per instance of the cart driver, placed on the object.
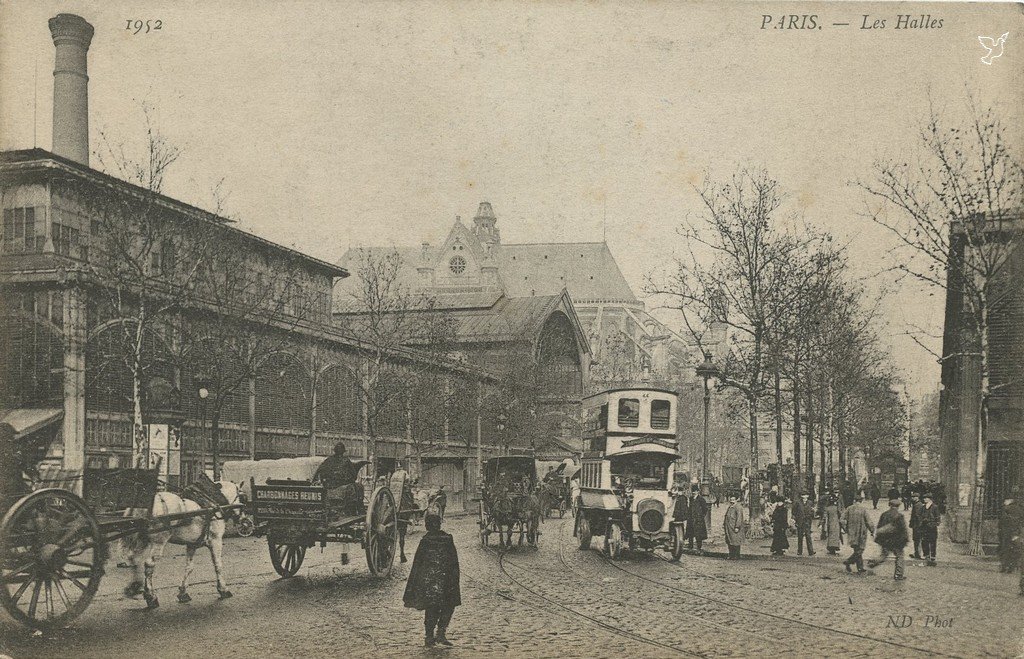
(339, 475)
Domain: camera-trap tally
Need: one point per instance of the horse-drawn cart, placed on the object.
(295, 515)
(54, 544)
(510, 503)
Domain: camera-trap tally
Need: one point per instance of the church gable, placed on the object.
(461, 261)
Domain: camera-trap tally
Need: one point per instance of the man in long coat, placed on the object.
(697, 527)
(915, 524)
(803, 517)
(734, 527)
(433, 585)
(892, 537)
(876, 494)
(928, 522)
(858, 527)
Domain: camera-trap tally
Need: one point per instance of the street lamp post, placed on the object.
(203, 393)
(708, 373)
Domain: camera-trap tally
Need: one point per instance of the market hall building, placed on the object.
(65, 381)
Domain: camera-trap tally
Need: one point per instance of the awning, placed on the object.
(28, 420)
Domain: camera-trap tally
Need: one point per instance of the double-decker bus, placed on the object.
(629, 453)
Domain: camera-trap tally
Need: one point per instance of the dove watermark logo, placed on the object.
(994, 47)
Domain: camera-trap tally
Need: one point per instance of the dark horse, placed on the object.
(512, 512)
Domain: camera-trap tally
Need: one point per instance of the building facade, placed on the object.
(961, 384)
(125, 313)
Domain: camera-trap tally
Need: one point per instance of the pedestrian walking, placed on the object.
(907, 491)
(734, 527)
(433, 585)
(891, 536)
(915, 524)
(831, 530)
(893, 493)
(1011, 519)
(780, 525)
(876, 494)
(929, 525)
(697, 527)
(855, 520)
(803, 517)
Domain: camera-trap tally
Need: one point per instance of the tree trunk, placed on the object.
(810, 430)
(796, 424)
(778, 428)
(753, 484)
(312, 418)
(978, 503)
(822, 462)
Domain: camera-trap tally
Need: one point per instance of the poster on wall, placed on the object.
(964, 494)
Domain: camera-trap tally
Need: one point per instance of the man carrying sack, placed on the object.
(892, 537)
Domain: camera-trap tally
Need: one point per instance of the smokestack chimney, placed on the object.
(71, 37)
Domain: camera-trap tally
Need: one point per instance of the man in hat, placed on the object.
(915, 523)
(892, 537)
(928, 522)
(855, 520)
(697, 527)
(344, 493)
(876, 494)
(803, 517)
(433, 585)
(734, 527)
(681, 508)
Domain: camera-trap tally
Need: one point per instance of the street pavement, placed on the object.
(557, 601)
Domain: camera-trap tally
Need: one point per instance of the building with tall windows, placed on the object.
(120, 304)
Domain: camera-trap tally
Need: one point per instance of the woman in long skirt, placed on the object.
(780, 524)
(830, 529)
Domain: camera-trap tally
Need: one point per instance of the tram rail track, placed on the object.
(777, 617)
(614, 629)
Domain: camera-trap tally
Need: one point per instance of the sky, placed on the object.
(335, 124)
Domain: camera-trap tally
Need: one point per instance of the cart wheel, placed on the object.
(51, 558)
(583, 530)
(677, 541)
(613, 541)
(245, 527)
(286, 558)
(380, 533)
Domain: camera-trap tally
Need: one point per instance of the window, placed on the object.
(20, 231)
(660, 411)
(65, 238)
(629, 412)
(457, 265)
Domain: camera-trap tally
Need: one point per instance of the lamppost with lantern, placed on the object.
(709, 373)
(202, 387)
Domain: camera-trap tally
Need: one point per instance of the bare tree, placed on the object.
(390, 316)
(746, 280)
(246, 310)
(955, 211)
(147, 256)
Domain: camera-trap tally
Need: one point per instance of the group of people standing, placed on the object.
(843, 519)
(694, 511)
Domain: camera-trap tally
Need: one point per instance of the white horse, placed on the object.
(192, 532)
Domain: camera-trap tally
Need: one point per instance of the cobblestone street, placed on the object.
(558, 601)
